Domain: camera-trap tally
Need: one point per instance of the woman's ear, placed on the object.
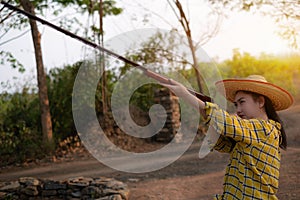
(261, 101)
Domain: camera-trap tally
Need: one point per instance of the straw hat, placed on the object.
(280, 98)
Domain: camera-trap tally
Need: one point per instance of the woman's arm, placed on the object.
(224, 123)
(179, 90)
(224, 144)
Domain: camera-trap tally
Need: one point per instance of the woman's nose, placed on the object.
(238, 109)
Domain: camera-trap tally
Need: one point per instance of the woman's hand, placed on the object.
(181, 91)
(176, 87)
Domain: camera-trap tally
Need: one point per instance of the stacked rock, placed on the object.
(74, 188)
(169, 101)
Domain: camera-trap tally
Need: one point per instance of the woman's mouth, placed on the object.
(242, 116)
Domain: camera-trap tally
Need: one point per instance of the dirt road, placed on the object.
(187, 178)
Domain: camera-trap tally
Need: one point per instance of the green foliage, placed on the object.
(20, 137)
(278, 70)
(143, 97)
(61, 81)
(7, 57)
(108, 6)
(20, 124)
(20, 115)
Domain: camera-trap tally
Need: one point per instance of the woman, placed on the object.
(253, 136)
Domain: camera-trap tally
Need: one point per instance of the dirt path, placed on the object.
(188, 178)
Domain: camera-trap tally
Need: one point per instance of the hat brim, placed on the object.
(280, 98)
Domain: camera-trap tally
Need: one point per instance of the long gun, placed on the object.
(146, 71)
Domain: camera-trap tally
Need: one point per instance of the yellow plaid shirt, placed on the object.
(253, 169)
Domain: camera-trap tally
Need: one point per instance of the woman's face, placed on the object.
(247, 107)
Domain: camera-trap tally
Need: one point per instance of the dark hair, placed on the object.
(272, 114)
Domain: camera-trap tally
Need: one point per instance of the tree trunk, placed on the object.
(102, 61)
(41, 77)
(195, 64)
(185, 24)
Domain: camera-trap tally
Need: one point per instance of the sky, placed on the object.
(248, 32)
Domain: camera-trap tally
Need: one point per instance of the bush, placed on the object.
(20, 144)
(20, 137)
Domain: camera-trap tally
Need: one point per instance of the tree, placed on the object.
(209, 27)
(185, 25)
(19, 22)
(102, 8)
(184, 22)
(41, 76)
(285, 13)
(31, 6)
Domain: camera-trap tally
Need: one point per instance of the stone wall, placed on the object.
(74, 189)
(170, 102)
